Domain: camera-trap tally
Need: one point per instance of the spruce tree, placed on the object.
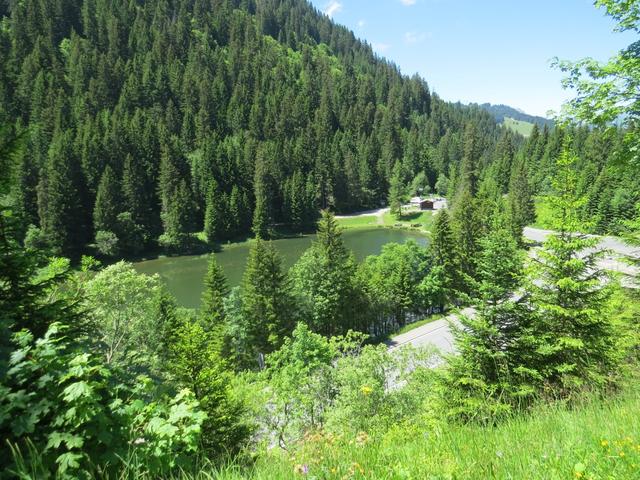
(467, 229)
(520, 201)
(214, 219)
(216, 289)
(267, 304)
(108, 202)
(396, 195)
(324, 279)
(442, 284)
(63, 218)
(500, 263)
(575, 334)
(262, 211)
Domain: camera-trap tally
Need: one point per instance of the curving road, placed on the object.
(438, 334)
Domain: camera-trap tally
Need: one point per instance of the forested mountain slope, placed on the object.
(501, 111)
(166, 117)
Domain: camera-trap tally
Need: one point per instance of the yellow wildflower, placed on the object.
(604, 443)
(366, 390)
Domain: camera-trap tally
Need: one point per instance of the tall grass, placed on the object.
(597, 440)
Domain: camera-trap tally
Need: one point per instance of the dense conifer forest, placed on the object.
(172, 126)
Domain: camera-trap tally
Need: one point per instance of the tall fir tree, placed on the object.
(575, 334)
(520, 202)
(212, 315)
(267, 304)
(396, 193)
(467, 229)
(442, 285)
(64, 219)
(324, 280)
(108, 202)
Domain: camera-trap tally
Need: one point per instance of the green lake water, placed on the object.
(183, 275)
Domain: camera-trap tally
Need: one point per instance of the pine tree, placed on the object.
(138, 197)
(64, 218)
(214, 221)
(324, 279)
(267, 305)
(575, 335)
(442, 284)
(520, 201)
(262, 213)
(469, 170)
(467, 229)
(500, 263)
(108, 202)
(212, 314)
(396, 194)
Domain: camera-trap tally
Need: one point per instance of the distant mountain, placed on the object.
(500, 112)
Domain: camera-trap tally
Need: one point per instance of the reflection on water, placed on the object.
(183, 275)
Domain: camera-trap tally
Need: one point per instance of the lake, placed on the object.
(184, 275)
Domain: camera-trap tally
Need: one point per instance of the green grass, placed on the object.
(518, 126)
(358, 222)
(598, 440)
(419, 323)
(543, 213)
(422, 218)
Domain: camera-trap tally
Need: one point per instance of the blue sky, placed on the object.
(495, 51)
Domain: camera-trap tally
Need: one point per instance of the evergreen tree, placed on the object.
(262, 213)
(396, 195)
(267, 305)
(442, 285)
(63, 219)
(499, 263)
(138, 197)
(108, 202)
(214, 217)
(324, 280)
(212, 314)
(520, 201)
(574, 331)
(196, 364)
(467, 229)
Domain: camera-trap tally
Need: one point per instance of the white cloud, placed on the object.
(408, 2)
(361, 23)
(333, 7)
(381, 47)
(411, 38)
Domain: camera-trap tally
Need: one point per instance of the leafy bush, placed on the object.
(107, 243)
(70, 415)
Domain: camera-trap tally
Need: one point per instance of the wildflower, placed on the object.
(604, 443)
(362, 438)
(301, 469)
(366, 390)
(621, 454)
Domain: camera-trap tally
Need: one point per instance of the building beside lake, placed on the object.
(421, 203)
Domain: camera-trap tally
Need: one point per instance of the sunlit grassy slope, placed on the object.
(519, 126)
(599, 440)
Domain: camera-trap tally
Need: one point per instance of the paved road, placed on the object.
(607, 243)
(438, 334)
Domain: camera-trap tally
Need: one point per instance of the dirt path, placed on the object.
(379, 214)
